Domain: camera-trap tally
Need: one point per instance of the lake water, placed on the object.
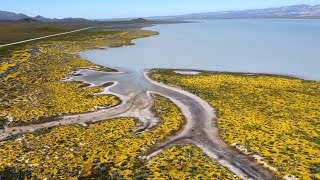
(276, 46)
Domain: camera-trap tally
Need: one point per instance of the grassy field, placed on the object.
(272, 119)
(14, 33)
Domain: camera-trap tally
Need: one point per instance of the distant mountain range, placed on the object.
(4, 15)
(296, 11)
(10, 16)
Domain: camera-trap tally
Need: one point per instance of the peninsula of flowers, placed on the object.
(273, 119)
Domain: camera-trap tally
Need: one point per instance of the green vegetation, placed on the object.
(13, 33)
(2, 122)
(274, 119)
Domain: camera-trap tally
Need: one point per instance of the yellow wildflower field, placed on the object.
(274, 119)
(108, 149)
(186, 162)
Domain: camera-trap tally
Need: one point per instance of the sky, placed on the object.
(104, 9)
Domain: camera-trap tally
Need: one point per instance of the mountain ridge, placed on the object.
(11, 16)
(5, 15)
(295, 11)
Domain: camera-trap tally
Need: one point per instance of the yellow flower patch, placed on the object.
(274, 117)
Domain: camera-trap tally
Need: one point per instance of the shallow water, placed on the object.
(276, 46)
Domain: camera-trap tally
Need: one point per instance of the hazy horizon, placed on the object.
(99, 9)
